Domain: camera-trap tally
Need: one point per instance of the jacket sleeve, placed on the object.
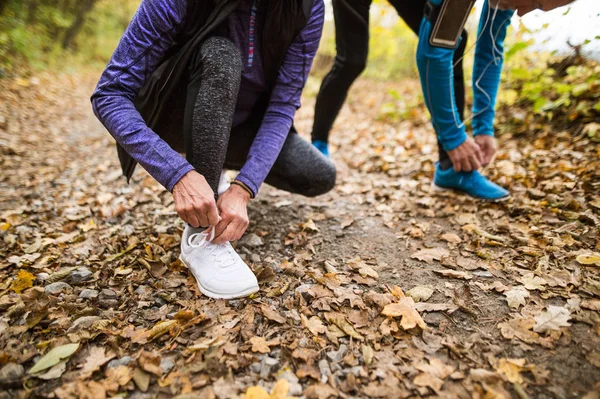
(284, 101)
(149, 35)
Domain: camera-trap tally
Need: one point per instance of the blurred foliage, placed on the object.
(41, 33)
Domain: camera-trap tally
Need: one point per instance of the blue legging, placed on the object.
(435, 70)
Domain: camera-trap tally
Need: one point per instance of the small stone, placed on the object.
(266, 366)
(167, 364)
(252, 240)
(108, 298)
(143, 290)
(108, 294)
(255, 258)
(42, 277)
(535, 193)
(337, 356)
(80, 275)
(292, 379)
(11, 373)
(57, 288)
(124, 361)
(88, 294)
(83, 323)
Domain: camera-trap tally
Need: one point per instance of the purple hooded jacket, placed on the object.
(150, 34)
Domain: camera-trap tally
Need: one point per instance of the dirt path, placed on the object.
(482, 300)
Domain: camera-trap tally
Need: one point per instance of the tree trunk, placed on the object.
(84, 8)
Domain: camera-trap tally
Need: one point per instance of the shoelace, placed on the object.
(223, 255)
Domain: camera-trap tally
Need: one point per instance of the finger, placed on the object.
(474, 164)
(191, 219)
(226, 236)
(201, 215)
(220, 228)
(213, 214)
(240, 229)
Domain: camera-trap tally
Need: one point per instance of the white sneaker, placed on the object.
(223, 183)
(218, 269)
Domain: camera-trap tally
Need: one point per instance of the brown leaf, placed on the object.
(340, 321)
(429, 255)
(320, 391)
(314, 325)
(272, 314)
(96, 359)
(405, 308)
(150, 362)
(259, 344)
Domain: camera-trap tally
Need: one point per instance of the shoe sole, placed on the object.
(215, 295)
(446, 189)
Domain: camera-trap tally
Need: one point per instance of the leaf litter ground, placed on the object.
(383, 288)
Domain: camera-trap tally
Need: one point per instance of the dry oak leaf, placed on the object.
(96, 359)
(428, 255)
(451, 238)
(516, 296)
(552, 319)
(280, 391)
(23, 281)
(521, 328)
(589, 259)
(532, 282)
(420, 293)
(367, 271)
(150, 362)
(428, 380)
(260, 345)
(309, 225)
(314, 325)
(436, 367)
(320, 391)
(405, 308)
(340, 321)
(512, 369)
(121, 375)
(591, 304)
(272, 314)
(454, 274)
(305, 354)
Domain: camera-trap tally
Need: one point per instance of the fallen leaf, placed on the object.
(340, 321)
(368, 271)
(589, 259)
(320, 391)
(429, 255)
(454, 274)
(314, 325)
(512, 369)
(53, 357)
(309, 225)
(552, 319)
(428, 380)
(532, 282)
(96, 359)
(516, 297)
(150, 362)
(405, 308)
(451, 238)
(259, 344)
(23, 281)
(420, 293)
(272, 314)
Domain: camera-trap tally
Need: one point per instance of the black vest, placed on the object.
(163, 90)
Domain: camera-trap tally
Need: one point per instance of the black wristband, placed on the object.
(244, 186)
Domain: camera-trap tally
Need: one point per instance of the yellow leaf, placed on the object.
(24, 280)
(256, 393)
(280, 390)
(161, 328)
(4, 226)
(589, 259)
(512, 369)
(309, 225)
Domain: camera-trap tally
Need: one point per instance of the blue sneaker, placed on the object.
(322, 146)
(472, 183)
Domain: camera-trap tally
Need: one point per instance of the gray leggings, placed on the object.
(215, 74)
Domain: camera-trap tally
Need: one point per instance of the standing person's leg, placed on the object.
(300, 168)
(212, 91)
(412, 13)
(210, 103)
(352, 46)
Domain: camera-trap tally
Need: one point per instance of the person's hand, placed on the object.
(195, 200)
(487, 145)
(232, 206)
(466, 157)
